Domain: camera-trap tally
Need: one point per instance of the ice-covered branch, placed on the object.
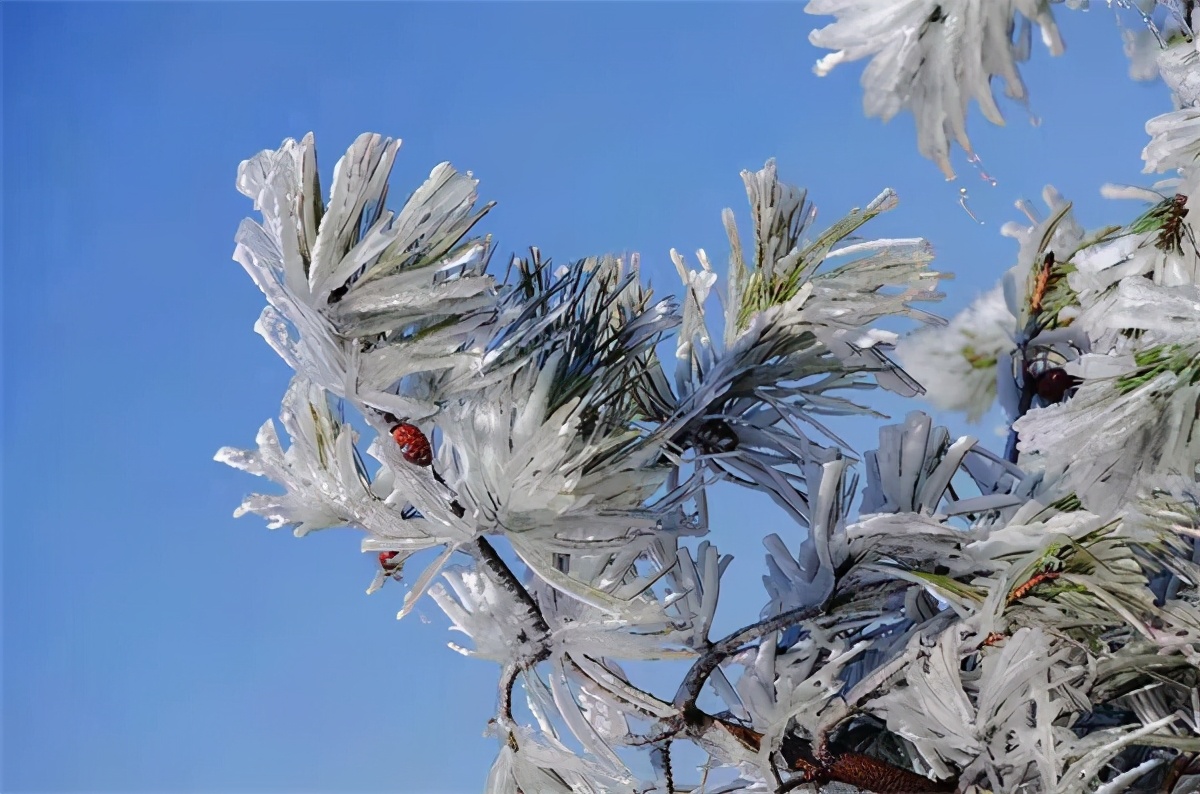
(1004, 621)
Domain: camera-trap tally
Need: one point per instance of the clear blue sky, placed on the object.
(153, 643)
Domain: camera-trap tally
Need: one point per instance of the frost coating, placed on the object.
(982, 622)
(556, 430)
(933, 57)
(957, 364)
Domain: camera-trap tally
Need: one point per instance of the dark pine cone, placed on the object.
(715, 436)
(1053, 384)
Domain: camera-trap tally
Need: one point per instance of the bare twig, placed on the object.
(486, 555)
(693, 682)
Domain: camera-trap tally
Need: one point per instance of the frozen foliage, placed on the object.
(971, 347)
(968, 620)
(933, 57)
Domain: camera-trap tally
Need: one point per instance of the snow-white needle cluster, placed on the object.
(1022, 620)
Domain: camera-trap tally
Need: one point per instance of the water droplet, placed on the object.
(975, 160)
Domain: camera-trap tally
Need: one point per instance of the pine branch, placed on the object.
(486, 554)
(689, 690)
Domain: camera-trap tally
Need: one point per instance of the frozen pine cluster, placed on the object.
(941, 616)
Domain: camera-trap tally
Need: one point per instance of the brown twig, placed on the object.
(818, 764)
(822, 765)
(1042, 283)
(1021, 591)
(991, 639)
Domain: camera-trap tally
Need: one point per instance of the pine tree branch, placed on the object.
(497, 565)
(486, 555)
(693, 682)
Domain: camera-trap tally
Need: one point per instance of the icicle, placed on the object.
(1146, 19)
(962, 202)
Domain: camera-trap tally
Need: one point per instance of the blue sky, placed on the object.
(151, 642)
